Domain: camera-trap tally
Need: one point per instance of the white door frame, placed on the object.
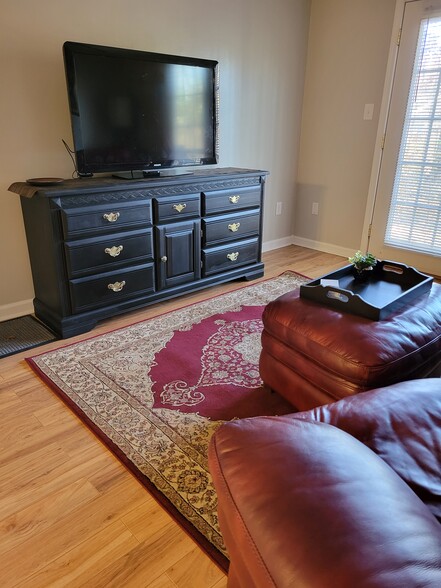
(382, 120)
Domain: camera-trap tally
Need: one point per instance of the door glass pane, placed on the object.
(414, 220)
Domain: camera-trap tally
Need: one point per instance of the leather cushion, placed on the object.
(402, 425)
(356, 348)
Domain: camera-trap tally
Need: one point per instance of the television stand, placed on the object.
(136, 175)
(170, 173)
(145, 174)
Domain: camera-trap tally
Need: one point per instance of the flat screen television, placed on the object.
(134, 111)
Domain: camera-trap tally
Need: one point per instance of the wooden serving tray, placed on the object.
(389, 286)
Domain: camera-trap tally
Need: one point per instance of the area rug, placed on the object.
(155, 392)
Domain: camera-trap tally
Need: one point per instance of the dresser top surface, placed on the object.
(109, 183)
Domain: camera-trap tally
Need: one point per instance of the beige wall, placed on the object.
(347, 56)
(261, 47)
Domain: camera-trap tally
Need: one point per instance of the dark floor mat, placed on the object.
(23, 333)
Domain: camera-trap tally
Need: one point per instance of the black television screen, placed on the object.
(134, 110)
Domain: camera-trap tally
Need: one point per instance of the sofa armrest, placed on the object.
(302, 503)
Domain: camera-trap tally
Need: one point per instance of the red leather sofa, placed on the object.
(346, 495)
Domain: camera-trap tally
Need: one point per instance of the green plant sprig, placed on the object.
(363, 260)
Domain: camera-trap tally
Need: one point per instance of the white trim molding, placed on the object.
(320, 246)
(277, 244)
(309, 243)
(382, 122)
(16, 309)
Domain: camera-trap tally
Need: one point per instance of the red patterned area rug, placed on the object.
(155, 391)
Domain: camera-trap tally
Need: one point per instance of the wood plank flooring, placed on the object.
(70, 513)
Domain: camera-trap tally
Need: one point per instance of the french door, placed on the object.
(406, 221)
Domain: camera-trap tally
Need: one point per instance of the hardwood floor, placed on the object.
(70, 513)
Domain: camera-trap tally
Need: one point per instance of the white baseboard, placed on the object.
(309, 243)
(16, 309)
(277, 244)
(320, 246)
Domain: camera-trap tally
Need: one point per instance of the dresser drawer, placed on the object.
(102, 217)
(229, 200)
(230, 227)
(111, 287)
(229, 256)
(98, 254)
(177, 207)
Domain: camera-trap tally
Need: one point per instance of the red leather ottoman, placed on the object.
(312, 354)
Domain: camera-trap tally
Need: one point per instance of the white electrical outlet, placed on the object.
(368, 113)
(278, 208)
(315, 207)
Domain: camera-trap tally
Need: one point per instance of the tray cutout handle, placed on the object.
(395, 269)
(337, 295)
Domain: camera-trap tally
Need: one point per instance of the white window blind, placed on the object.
(414, 220)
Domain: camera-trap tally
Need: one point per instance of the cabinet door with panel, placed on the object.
(178, 247)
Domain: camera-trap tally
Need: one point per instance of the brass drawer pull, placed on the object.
(111, 216)
(117, 286)
(179, 207)
(233, 256)
(114, 251)
(234, 227)
(234, 199)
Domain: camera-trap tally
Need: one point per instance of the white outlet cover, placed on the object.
(368, 113)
